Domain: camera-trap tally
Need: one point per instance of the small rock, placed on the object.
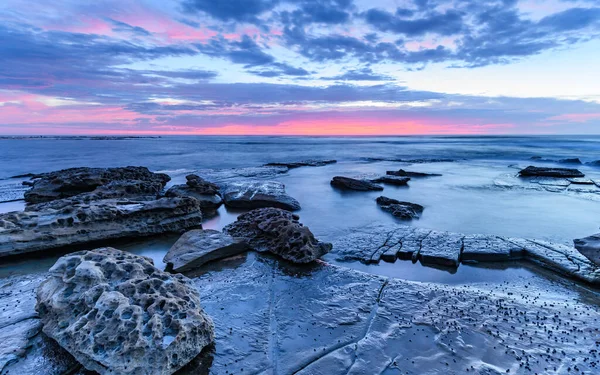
(303, 163)
(197, 247)
(117, 314)
(589, 247)
(392, 180)
(207, 193)
(279, 232)
(403, 173)
(258, 194)
(570, 161)
(354, 184)
(532, 171)
(581, 181)
(399, 209)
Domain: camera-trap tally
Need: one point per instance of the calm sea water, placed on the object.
(478, 192)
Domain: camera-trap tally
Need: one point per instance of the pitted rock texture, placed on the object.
(117, 314)
(392, 180)
(403, 173)
(196, 247)
(258, 194)
(207, 193)
(354, 184)
(303, 163)
(532, 171)
(399, 209)
(71, 221)
(70, 182)
(279, 232)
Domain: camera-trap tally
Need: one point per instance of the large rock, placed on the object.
(72, 221)
(70, 182)
(258, 194)
(196, 247)
(399, 209)
(589, 247)
(207, 193)
(532, 171)
(278, 232)
(392, 180)
(117, 314)
(354, 184)
(403, 173)
(303, 163)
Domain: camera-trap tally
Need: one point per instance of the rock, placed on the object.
(354, 184)
(589, 247)
(278, 232)
(196, 247)
(399, 209)
(403, 173)
(70, 221)
(70, 182)
(116, 313)
(486, 248)
(207, 193)
(392, 180)
(258, 194)
(595, 163)
(303, 163)
(532, 171)
(222, 176)
(570, 161)
(581, 181)
(441, 248)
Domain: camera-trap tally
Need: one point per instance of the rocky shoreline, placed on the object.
(257, 298)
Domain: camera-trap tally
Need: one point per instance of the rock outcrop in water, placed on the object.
(532, 171)
(117, 314)
(589, 247)
(392, 180)
(73, 221)
(207, 193)
(258, 194)
(399, 209)
(354, 184)
(74, 181)
(197, 247)
(303, 163)
(278, 232)
(403, 173)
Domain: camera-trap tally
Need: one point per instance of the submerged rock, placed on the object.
(354, 184)
(196, 247)
(207, 193)
(116, 313)
(589, 247)
(70, 182)
(303, 163)
(279, 232)
(441, 248)
(570, 161)
(532, 171)
(403, 173)
(258, 194)
(399, 209)
(392, 180)
(581, 181)
(71, 221)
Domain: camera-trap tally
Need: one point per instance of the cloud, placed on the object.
(231, 10)
(447, 23)
(365, 74)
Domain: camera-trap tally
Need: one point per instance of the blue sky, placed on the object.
(300, 67)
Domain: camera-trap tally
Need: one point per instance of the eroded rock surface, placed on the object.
(70, 182)
(196, 247)
(392, 180)
(116, 313)
(354, 184)
(278, 232)
(72, 221)
(532, 171)
(207, 193)
(589, 247)
(258, 194)
(400, 209)
(303, 163)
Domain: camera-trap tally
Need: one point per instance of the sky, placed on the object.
(299, 67)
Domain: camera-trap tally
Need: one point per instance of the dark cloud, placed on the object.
(280, 69)
(447, 23)
(119, 26)
(231, 10)
(246, 51)
(364, 74)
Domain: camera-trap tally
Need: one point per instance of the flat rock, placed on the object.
(207, 193)
(486, 248)
(532, 171)
(116, 313)
(570, 161)
(581, 181)
(589, 247)
(392, 180)
(70, 221)
(303, 163)
(354, 184)
(278, 232)
(197, 247)
(400, 209)
(403, 173)
(221, 176)
(258, 194)
(71, 182)
(441, 248)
